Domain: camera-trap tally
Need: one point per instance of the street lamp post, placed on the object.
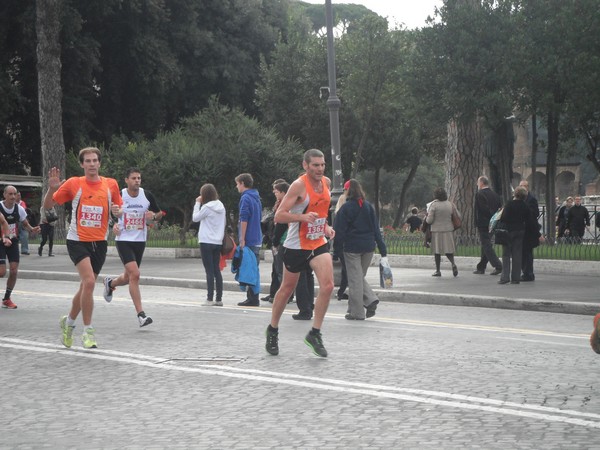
(333, 103)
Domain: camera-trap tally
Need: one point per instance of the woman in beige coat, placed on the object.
(439, 216)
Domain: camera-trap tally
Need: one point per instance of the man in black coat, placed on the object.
(529, 241)
(578, 218)
(487, 202)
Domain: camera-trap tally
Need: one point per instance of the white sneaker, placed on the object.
(108, 291)
(208, 303)
(218, 303)
(146, 320)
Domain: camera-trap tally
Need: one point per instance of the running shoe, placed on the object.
(218, 303)
(315, 342)
(108, 291)
(272, 341)
(88, 339)
(144, 319)
(208, 303)
(67, 332)
(595, 337)
(8, 304)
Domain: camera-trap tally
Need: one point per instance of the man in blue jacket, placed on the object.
(249, 232)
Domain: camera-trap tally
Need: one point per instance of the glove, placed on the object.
(384, 261)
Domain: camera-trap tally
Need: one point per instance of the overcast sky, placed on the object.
(412, 13)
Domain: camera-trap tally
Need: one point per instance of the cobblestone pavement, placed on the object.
(414, 376)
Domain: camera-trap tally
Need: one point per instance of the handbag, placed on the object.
(456, 220)
(494, 220)
(51, 216)
(501, 235)
(228, 243)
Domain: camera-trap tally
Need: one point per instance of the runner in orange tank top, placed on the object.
(94, 199)
(305, 208)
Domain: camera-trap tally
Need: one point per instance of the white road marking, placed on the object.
(378, 319)
(544, 413)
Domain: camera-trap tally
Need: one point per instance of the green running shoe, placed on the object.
(67, 332)
(88, 339)
(315, 342)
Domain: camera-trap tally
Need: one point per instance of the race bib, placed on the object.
(134, 221)
(91, 216)
(316, 230)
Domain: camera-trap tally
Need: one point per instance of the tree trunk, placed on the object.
(464, 164)
(505, 147)
(376, 198)
(407, 183)
(49, 89)
(553, 135)
(534, 147)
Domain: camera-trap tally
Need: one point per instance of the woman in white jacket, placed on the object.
(210, 212)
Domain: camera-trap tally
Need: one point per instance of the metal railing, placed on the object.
(401, 243)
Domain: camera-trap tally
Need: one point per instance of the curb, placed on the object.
(384, 295)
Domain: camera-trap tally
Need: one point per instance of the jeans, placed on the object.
(211, 256)
(24, 239)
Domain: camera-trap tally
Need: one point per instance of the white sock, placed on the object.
(70, 322)
(87, 327)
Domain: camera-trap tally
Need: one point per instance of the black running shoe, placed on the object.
(315, 342)
(272, 342)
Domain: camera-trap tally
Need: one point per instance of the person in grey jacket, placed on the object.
(356, 234)
(439, 216)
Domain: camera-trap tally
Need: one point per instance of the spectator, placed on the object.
(527, 257)
(357, 233)
(561, 217)
(413, 222)
(515, 216)
(487, 202)
(47, 228)
(249, 230)
(578, 218)
(439, 216)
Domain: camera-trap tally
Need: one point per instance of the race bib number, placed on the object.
(134, 221)
(316, 230)
(12, 229)
(91, 216)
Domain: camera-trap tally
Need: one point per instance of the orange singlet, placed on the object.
(304, 235)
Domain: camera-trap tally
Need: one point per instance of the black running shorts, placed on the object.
(130, 251)
(296, 261)
(96, 251)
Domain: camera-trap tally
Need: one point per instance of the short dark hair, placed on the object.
(132, 170)
(246, 179)
(440, 194)
(282, 186)
(414, 210)
(312, 153)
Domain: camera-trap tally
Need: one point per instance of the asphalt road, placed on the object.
(414, 376)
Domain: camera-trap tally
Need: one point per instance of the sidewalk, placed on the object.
(560, 286)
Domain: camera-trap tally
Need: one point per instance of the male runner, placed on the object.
(305, 208)
(16, 217)
(139, 206)
(94, 199)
